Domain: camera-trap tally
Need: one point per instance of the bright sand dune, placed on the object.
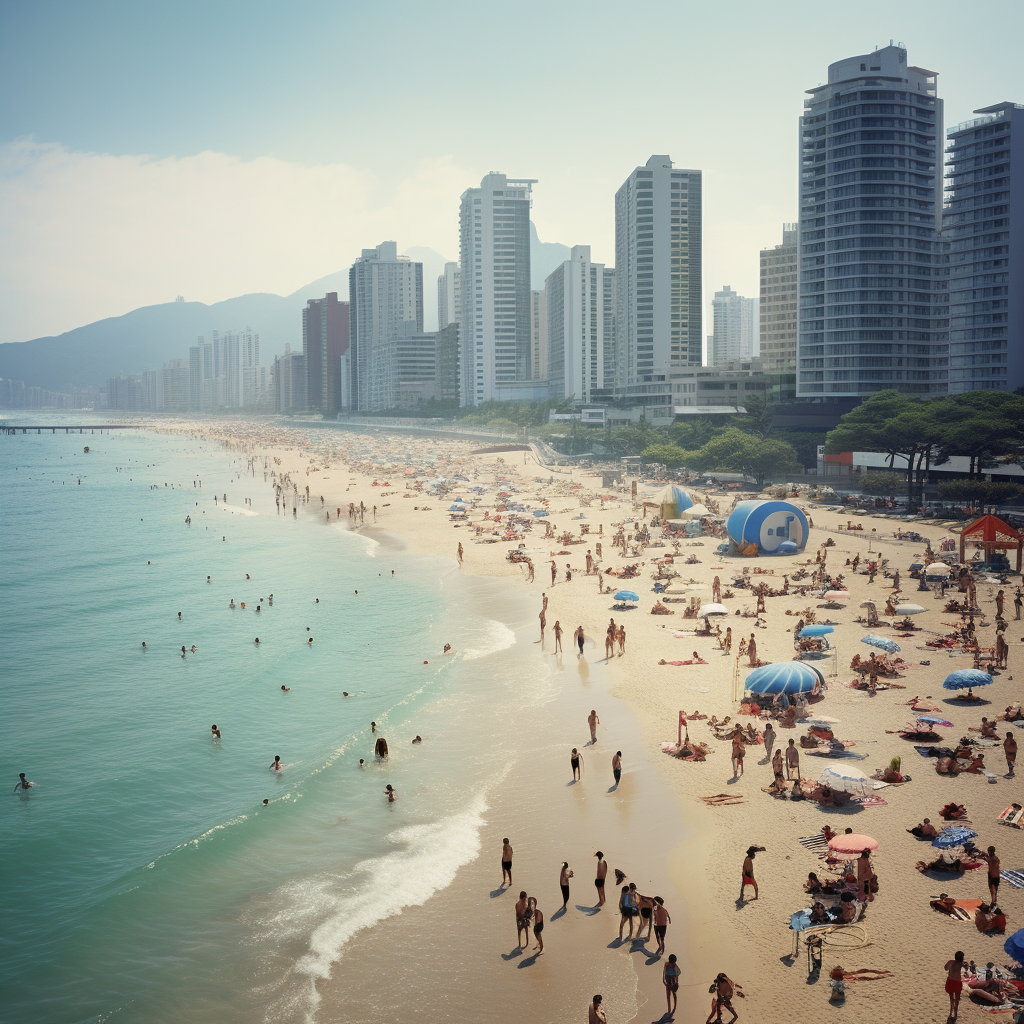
(750, 941)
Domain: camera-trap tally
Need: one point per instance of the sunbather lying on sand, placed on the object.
(953, 812)
(926, 830)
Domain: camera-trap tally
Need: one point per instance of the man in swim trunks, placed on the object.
(954, 982)
(723, 989)
(601, 874)
(563, 882)
(662, 919)
(993, 872)
(506, 861)
(617, 766)
(522, 920)
(593, 721)
(748, 874)
(575, 760)
(538, 924)
(558, 636)
(580, 638)
(595, 1014)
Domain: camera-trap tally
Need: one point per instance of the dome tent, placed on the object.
(761, 527)
(671, 501)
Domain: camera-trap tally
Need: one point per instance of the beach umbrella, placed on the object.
(713, 609)
(456, 507)
(955, 835)
(539, 513)
(1014, 946)
(816, 630)
(966, 678)
(881, 642)
(627, 595)
(937, 569)
(935, 720)
(784, 677)
(837, 595)
(800, 920)
(852, 843)
(908, 609)
(849, 780)
(916, 565)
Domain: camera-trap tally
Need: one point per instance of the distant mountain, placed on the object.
(544, 257)
(146, 338)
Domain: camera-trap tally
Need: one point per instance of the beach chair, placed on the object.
(1012, 816)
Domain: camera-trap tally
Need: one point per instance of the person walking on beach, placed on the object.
(506, 861)
(593, 721)
(621, 637)
(723, 989)
(1018, 602)
(716, 590)
(600, 875)
(575, 760)
(954, 982)
(579, 637)
(538, 923)
(543, 623)
(748, 872)
(460, 552)
(595, 1013)
(992, 860)
(769, 741)
(522, 920)
(558, 637)
(617, 766)
(670, 978)
(1010, 750)
(563, 882)
(554, 572)
(737, 752)
(662, 919)
(792, 761)
(999, 604)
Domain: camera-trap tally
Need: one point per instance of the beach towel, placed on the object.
(838, 754)
(869, 801)
(1014, 878)
(816, 843)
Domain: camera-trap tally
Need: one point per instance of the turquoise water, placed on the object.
(144, 878)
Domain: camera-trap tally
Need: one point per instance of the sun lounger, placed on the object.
(1012, 816)
(1014, 878)
(816, 843)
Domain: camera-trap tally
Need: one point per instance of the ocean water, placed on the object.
(144, 878)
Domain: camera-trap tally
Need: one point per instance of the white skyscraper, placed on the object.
(494, 255)
(449, 297)
(658, 217)
(580, 300)
(733, 320)
(385, 290)
(539, 331)
(252, 376)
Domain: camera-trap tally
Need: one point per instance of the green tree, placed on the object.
(760, 415)
(693, 431)
(982, 491)
(758, 457)
(986, 427)
(889, 485)
(670, 455)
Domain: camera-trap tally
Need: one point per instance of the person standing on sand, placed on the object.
(954, 982)
(558, 637)
(575, 760)
(792, 761)
(621, 636)
(627, 911)
(1010, 750)
(600, 875)
(543, 623)
(554, 572)
(538, 923)
(617, 766)
(593, 721)
(506, 861)
(737, 752)
(748, 872)
(522, 920)
(670, 978)
(752, 651)
(777, 763)
(1018, 602)
(595, 1013)
(563, 882)
(992, 860)
(460, 553)
(769, 740)
(716, 590)
(579, 638)
(999, 604)
(662, 919)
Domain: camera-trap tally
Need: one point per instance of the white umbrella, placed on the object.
(695, 511)
(837, 595)
(849, 780)
(908, 609)
(937, 569)
(713, 609)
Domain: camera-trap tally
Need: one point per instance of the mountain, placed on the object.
(544, 257)
(147, 337)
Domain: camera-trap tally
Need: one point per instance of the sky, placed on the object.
(209, 149)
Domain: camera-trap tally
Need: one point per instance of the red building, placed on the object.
(325, 344)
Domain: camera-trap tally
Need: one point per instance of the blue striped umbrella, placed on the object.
(627, 595)
(956, 835)
(966, 678)
(881, 642)
(816, 630)
(785, 677)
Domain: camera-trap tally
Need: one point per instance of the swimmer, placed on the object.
(215, 732)
(257, 607)
(373, 727)
(207, 579)
(318, 600)
(22, 783)
(193, 648)
(277, 766)
(344, 693)
(143, 644)
(447, 648)
(390, 793)
(362, 763)
(247, 576)
(232, 603)
(285, 689)
(310, 640)
(357, 592)
(183, 650)
(179, 615)
(265, 802)
(257, 640)
(419, 739)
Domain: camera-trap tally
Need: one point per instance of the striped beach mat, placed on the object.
(1014, 878)
(816, 844)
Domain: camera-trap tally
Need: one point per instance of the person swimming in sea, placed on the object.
(418, 739)
(276, 765)
(447, 648)
(144, 645)
(285, 688)
(390, 793)
(214, 731)
(22, 783)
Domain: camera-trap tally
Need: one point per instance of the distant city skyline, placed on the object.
(201, 180)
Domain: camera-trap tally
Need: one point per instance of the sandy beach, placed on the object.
(655, 826)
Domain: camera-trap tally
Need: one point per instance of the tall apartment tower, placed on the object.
(872, 285)
(252, 375)
(733, 321)
(449, 296)
(778, 305)
(290, 382)
(385, 290)
(984, 225)
(325, 344)
(539, 335)
(579, 297)
(494, 254)
(658, 216)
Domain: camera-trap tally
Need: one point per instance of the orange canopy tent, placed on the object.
(992, 534)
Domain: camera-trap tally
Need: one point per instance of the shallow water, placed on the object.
(144, 876)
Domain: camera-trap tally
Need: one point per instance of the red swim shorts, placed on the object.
(747, 880)
(954, 985)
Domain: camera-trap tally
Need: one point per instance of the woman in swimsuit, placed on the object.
(670, 977)
(538, 923)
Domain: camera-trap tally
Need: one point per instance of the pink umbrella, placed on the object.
(852, 843)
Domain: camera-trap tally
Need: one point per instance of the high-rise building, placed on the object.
(579, 297)
(778, 305)
(984, 226)
(658, 218)
(494, 255)
(325, 344)
(872, 284)
(290, 382)
(385, 290)
(252, 376)
(448, 348)
(539, 335)
(176, 377)
(449, 296)
(195, 379)
(733, 320)
(417, 365)
(231, 370)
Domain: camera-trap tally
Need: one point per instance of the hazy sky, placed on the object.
(213, 148)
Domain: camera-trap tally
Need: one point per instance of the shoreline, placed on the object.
(723, 935)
